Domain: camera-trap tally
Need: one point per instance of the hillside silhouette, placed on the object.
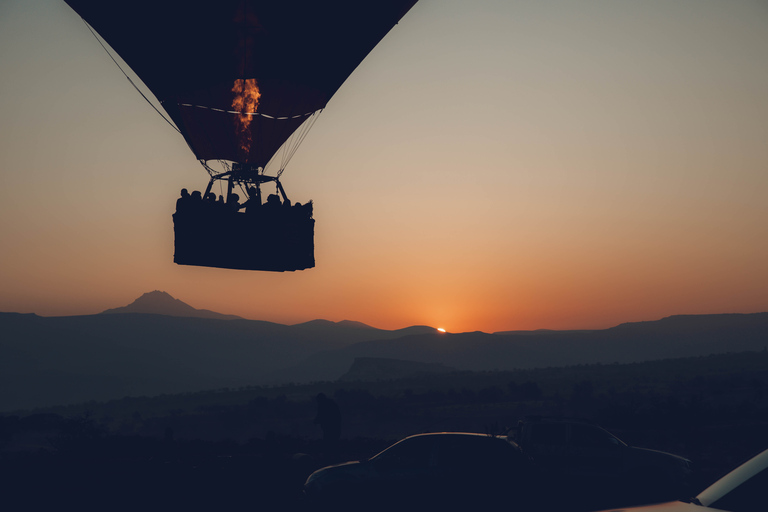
(376, 368)
(671, 337)
(47, 361)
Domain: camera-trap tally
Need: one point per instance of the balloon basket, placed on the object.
(277, 240)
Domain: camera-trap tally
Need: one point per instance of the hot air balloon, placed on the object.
(243, 81)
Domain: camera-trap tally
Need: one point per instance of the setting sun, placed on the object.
(440, 329)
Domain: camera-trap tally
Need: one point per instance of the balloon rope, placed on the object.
(293, 145)
(129, 78)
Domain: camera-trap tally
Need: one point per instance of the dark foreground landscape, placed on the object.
(252, 448)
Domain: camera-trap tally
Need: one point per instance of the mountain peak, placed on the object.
(156, 297)
(162, 303)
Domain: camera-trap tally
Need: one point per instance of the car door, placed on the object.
(547, 444)
(478, 469)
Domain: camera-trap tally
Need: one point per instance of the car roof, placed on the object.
(504, 438)
(557, 419)
(476, 434)
(445, 435)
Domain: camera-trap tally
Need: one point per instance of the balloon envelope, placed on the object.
(238, 77)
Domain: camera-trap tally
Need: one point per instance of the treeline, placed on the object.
(680, 393)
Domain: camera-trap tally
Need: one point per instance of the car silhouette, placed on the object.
(436, 471)
(741, 490)
(592, 464)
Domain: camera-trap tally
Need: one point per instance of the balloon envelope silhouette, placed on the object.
(197, 58)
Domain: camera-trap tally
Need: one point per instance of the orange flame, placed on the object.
(245, 102)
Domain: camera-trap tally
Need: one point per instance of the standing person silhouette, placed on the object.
(183, 201)
(329, 419)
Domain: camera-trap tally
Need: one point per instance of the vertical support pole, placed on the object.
(208, 188)
(282, 191)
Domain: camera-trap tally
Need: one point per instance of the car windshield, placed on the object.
(411, 452)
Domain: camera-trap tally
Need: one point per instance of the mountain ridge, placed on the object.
(60, 360)
(630, 342)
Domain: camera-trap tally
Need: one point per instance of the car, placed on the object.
(741, 490)
(434, 471)
(587, 461)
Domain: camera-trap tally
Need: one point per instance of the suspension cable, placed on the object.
(296, 139)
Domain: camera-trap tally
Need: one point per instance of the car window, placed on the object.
(410, 453)
(591, 437)
(462, 451)
(477, 453)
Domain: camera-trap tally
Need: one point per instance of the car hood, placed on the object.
(672, 506)
(344, 466)
(353, 470)
(734, 479)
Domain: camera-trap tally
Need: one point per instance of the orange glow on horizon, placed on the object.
(558, 199)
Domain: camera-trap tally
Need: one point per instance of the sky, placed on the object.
(492, 165)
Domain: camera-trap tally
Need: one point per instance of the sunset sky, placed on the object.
(492, 165)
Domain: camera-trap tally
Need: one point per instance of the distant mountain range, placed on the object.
(671, 337)
(159, 344)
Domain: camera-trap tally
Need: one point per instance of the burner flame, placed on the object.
(245, 102)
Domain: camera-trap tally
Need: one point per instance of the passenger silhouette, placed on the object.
(329, 418)
(273, 201)
(221, 205)
(253, 202)
(183, 201)
(195, 204)
(233, 202)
